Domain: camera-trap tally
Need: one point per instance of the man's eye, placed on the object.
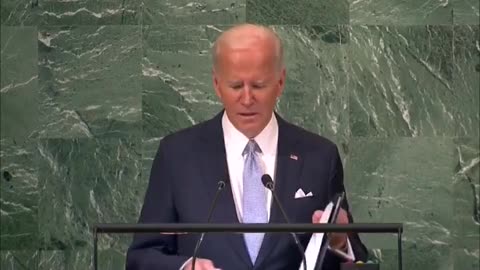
(258, 86)
(237, 86)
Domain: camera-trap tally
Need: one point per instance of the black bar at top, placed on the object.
(247, 227)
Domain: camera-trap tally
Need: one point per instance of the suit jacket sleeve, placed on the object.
(336, 186)
(154, 251)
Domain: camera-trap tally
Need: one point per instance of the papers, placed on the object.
(313, 247)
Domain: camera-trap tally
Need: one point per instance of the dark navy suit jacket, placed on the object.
(183, 181)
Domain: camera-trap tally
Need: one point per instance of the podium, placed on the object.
(126, 228)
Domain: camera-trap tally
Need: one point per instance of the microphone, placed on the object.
(268, 183)
(220, 185)
(333, 218)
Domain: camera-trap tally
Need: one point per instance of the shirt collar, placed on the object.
(235, 141)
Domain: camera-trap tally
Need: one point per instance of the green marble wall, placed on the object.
(89, 87)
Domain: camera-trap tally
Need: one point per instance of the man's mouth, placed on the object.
(248, 114)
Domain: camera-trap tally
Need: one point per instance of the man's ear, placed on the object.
(216, 83)
(281, 81)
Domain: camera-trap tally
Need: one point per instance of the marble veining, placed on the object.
(90, 81)
(403, 82)
(19, 195)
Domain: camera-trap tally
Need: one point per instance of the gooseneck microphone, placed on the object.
(220, 185)
(268, 183)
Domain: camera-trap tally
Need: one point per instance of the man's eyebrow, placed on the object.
(241, 82)
(234, 82)
(260, 81)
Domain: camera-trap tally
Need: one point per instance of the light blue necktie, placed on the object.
(254, 197)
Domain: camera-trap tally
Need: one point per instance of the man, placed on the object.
(242, 143)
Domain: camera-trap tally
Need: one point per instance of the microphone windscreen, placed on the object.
(267, 181)
(221, 184)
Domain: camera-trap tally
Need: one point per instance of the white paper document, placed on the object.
(313, 247)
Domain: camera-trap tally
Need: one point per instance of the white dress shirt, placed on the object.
(235, 143)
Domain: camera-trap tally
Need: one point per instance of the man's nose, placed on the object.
(247, 96)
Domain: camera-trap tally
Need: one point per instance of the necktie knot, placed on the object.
(251, 148)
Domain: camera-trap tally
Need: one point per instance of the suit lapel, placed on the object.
(213, 163)
(287, 175)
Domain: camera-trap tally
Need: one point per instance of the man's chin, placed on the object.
(250, 129)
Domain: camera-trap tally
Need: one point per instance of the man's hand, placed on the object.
(201, 264)
(337, 240)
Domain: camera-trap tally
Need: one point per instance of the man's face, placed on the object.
(248, 82)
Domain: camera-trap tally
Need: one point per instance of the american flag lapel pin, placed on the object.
(294, 157)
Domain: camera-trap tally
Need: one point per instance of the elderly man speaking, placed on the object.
(243, 142)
